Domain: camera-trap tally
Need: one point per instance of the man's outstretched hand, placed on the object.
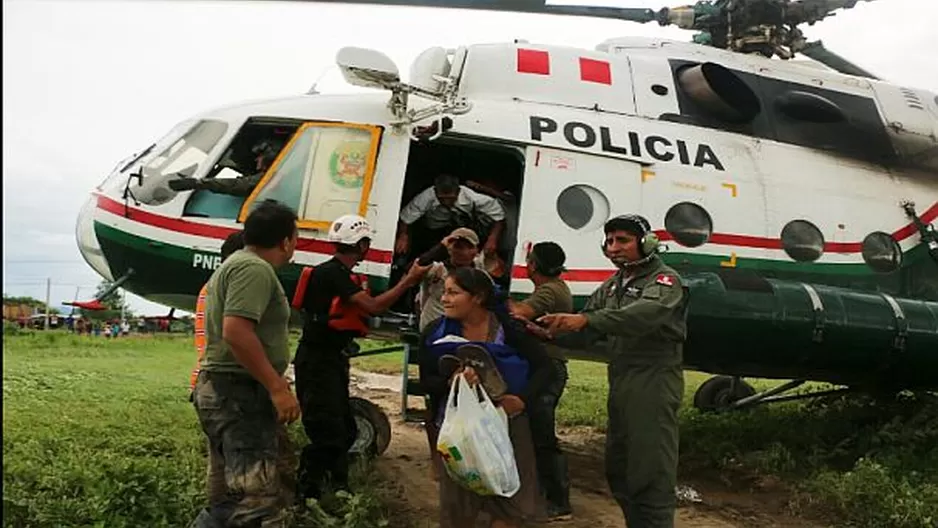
(563, 322)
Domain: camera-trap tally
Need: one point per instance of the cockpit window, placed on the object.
(325, 172)
(187, 154)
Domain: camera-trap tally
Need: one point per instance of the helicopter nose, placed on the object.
(88, 241)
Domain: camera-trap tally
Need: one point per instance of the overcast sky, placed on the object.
(86, 84)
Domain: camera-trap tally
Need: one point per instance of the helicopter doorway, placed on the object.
(491, 169)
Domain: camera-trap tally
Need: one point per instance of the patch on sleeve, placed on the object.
(664, 280)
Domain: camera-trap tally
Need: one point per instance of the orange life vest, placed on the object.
(342, 316)
(199, 334)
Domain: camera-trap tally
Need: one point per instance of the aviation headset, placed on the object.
(648, 241)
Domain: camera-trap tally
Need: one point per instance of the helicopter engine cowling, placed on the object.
(911, 118)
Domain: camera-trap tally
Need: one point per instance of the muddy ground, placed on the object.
(411, 492)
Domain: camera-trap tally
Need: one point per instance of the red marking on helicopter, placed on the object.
(596, 71)
(211, 231)
(517, 272)
(533, 61)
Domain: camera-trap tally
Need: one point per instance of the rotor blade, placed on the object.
(811, 11)
(816, 50)
(641, 15)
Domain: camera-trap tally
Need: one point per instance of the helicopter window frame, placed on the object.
(803, 241)
(309, 172)
(689, 224)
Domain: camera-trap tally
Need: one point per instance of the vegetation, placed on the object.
(31, 302)
(864, 462)
(99, 432)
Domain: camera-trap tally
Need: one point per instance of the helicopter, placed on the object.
(796, 198)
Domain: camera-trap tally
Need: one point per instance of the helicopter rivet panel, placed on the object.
(549, 75)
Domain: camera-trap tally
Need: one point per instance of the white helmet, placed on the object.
(349, 230)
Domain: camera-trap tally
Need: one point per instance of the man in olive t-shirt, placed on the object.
(246, 286)
(240, 393)
(551, 295)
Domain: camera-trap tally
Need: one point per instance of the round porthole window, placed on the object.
(881, 252)
(582, 207)
(689, 224)
(802, 241)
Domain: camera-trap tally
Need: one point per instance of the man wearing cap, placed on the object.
(460, 249)
(545, 262)
(640, 312)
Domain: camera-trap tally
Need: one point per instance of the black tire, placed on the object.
(718, 393)
(374, 428)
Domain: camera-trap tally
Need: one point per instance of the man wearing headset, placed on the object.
(641, 314)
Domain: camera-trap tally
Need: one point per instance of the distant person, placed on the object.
(241, 395)
(551, 294)
(334, 305)
(444, 207)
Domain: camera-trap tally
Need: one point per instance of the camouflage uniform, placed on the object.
(643, 320)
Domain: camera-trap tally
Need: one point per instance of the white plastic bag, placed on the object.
(475, 445)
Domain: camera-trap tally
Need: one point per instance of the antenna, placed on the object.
(312, 89)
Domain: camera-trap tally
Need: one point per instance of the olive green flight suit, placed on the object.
(643, 321)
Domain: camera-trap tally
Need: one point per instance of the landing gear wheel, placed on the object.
(374, 429)
(719, 392)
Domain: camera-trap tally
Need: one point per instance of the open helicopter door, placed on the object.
(567, 197)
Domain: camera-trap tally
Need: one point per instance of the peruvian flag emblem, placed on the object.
(664, 279)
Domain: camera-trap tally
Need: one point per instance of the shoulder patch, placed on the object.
(664, 280)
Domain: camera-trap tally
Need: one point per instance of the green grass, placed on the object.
(863, 462)
(99, 432)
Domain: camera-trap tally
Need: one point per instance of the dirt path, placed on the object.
(412, 492)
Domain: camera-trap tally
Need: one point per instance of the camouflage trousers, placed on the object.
(248, 447)
(217, 487)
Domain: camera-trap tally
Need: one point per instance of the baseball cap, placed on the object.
(466, 234)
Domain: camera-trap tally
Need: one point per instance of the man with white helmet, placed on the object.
(334, 302)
